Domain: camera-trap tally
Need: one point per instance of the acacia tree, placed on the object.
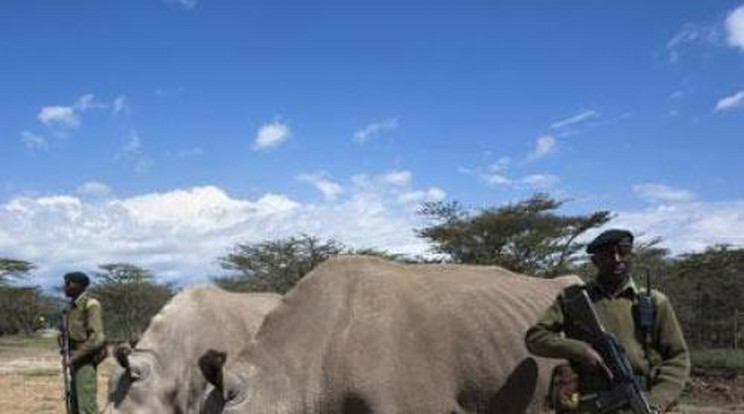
(24, 309)
(276, 265)
(527, 236)
(14, 268)
(708, 291)
(21, 307)
(131, 297)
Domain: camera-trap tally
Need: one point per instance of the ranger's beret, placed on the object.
(610, 237)
(78, 277)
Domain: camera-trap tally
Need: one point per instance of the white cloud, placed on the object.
(654, 192)
(133, 153)
(575, 119)
(501, 165)
(692, 34)
(730, 102)
(94, 189)
(497, 174)
(120, 105)
(59, 116)
(88, 102)
(416, 197)
(495, 178)
(544, 146)
(202, 209)
(735, 28)
(69, 116)
(330, 189)
(494, 173)
(374, 130)
(271, 135)
(34, 142)
(688, 226)
(398, 178)
(465, 170)
(688, 34)
(179, 234)
(539, 180)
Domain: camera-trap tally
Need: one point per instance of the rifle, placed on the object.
(624, 390)
(66, 363)
(646, 318)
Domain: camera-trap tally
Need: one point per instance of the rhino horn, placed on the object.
(211, 364)
(122, 356)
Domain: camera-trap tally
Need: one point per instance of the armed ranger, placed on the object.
(624, 391)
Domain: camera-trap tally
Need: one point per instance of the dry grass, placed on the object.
(31, 382)
(31, 377)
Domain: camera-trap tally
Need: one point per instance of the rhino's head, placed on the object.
(140, 384)
(230, 386)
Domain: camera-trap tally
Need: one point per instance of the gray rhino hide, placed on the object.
(192, 322)
(361, 335)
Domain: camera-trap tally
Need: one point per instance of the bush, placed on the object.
(725, 360)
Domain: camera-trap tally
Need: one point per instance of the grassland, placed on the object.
(31, 379)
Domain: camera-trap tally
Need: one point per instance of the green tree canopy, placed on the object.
(130, 297)
(25, 309)
(14, 268)
(527, 236)
(708, 290)
(274, 265)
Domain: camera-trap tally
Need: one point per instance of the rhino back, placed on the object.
(203, 317)
(407, 338)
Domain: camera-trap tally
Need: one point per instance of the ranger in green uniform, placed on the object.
(85, 333)
(662, 365)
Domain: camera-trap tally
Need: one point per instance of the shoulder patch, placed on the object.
(92, 302)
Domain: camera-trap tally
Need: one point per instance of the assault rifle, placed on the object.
(65, 346)
(624, 390)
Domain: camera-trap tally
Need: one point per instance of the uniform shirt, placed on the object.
(84, 326)
(668, 355)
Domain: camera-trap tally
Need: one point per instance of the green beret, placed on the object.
(610, 237)
(78, 277)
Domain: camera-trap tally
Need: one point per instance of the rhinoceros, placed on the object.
(361, 335)
(161, 375)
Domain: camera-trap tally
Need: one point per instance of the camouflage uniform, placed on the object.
(668, 361)
(85, 333)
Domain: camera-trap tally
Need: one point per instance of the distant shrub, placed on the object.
(725, 360)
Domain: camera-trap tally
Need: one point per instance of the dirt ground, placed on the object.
(31, 377)
(31, 382)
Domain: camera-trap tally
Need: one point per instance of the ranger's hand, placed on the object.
(592, 359)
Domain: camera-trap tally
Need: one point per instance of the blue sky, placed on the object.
(164, 132)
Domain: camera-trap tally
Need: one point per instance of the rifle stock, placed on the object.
(624, 391)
